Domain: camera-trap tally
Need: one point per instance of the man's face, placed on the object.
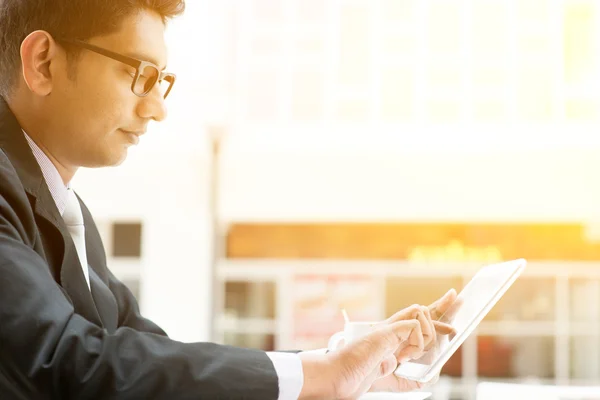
(94, 117)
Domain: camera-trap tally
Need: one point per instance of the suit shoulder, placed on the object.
(11, 187)
(8, 174)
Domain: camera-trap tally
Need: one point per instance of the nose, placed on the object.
(152, 106)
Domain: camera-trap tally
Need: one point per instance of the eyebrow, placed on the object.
(145, 58)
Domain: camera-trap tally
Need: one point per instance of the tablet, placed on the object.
(472, 304)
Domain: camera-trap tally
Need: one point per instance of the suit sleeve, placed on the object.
(49, 352)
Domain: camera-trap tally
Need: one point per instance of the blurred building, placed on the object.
(362, 154)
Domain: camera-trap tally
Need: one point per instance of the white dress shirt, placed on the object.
(287, 365)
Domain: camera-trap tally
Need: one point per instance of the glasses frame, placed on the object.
(139, 65)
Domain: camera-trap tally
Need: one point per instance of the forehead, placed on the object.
(141, 36)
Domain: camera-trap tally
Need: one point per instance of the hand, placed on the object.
(428, 318)
(350, 371)
(446, 306)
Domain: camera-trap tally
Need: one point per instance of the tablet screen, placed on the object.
(471, 305)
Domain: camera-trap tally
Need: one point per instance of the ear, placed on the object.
(38, 51)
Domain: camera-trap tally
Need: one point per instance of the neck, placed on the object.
(34, 127)
(65, 171)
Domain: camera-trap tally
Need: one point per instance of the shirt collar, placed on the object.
(58, 190)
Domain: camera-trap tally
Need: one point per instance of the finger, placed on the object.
(431, 333)
(408, 331)
(439, 307)
(442, 328)
(452, 336)
(455, 306)
(389, 365)
(408, 353)
(417, 312)
(412, 345)
(404, 314)
(416, 340)
(452, 310)
(426, 328)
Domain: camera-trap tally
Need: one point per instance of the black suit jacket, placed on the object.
(59, 341)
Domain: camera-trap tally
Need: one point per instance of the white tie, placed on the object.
(74, 221)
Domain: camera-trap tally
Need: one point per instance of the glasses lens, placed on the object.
(146, 80)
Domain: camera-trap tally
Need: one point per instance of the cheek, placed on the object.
(103, 102)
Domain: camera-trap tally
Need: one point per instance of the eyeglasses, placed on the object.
(147, 74)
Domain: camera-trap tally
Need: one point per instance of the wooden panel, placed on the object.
(411, 241)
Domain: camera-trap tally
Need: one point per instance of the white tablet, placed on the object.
(473, 303)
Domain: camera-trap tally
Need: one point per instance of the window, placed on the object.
(127, 239)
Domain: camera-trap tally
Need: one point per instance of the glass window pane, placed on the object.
(535, 94)
(444, 27)
(531, 11)
(250, 341)
(311, 11)
(508, 357)
(395, 45)
(585, 300)
(489, 77)
(538, 45)
(579, 42)
(266, 46)
(127, 239)
(262, 95)
(354, 52)
(308, 92)
(402, 292)
(582, 110)
(312, 46)
(353, 110)
(444, 79)
(398, 94)
(489, 30)
(318, 299)
(270, 11)
(443, 111)
(528, 299)
(489, 111)
(515, 357)
(250, 299)
(585, 356)
(399, 11)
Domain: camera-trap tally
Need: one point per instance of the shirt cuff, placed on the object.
(288, 367)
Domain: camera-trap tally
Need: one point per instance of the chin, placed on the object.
(120, 158)
(113, 159)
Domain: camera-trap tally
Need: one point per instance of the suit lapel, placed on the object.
(71, 278)
(105, 302)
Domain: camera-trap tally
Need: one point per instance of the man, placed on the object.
(79, 83)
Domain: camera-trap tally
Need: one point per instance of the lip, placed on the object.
(133, 137)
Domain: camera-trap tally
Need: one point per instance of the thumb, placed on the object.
(369, 352)
(388, 366)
